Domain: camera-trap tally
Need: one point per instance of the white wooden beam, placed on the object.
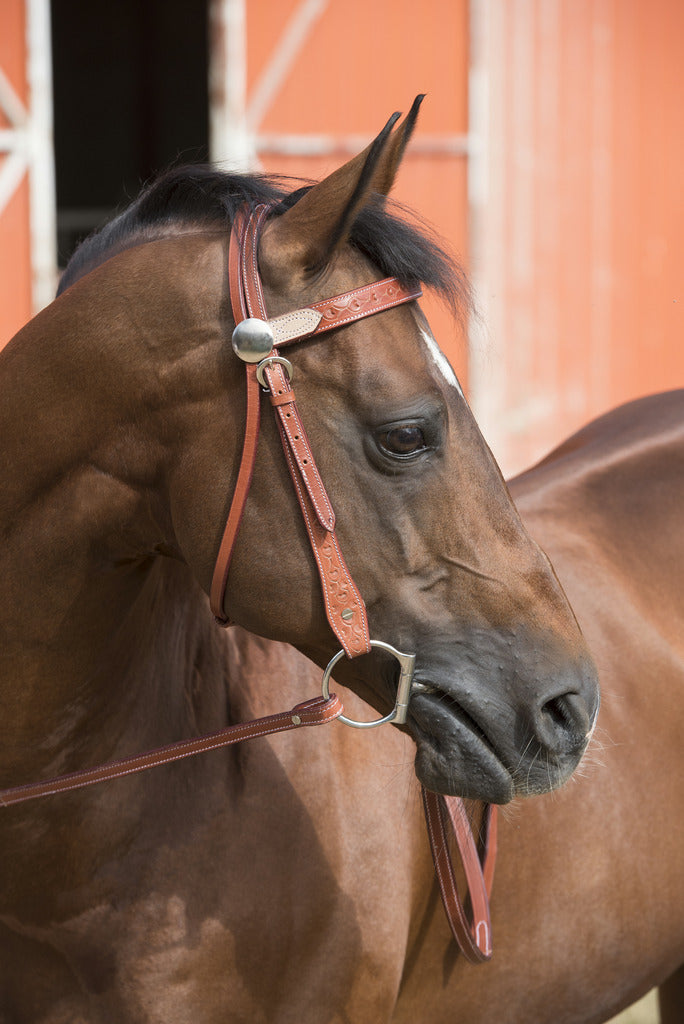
(42, 201)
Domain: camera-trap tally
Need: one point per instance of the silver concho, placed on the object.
(252, 340)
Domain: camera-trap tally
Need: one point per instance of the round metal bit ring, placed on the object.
(400, 710)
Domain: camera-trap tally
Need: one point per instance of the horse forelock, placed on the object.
(194, 198)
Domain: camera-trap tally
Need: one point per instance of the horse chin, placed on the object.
(442, 773)
(462, 763)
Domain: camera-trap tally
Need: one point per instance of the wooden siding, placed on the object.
(579, 242)
(357, 64)
(15, 252)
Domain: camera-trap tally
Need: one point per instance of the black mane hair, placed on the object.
(196, 197)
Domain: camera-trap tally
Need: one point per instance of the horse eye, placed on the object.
(403, 441)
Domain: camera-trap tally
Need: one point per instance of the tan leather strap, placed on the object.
(443, 814)
(361, 302)
(237, 507)
(344, 606)
(296, 443)
(317, 711)
(251, 437)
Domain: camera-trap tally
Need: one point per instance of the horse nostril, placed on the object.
(563, 723)
(557, 712)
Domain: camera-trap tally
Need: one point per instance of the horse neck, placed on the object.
(90, 403)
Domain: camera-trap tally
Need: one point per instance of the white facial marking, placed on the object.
(440, 360)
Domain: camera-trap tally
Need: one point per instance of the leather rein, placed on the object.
(257, 341)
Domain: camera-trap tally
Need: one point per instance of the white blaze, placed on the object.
(440, 360)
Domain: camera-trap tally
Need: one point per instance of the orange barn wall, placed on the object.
(580, 255)
(361, 62)
(577, 245)
(15, 256)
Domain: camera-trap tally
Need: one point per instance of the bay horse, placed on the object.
(285, 879)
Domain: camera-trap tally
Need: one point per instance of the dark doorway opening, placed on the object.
(130, 99)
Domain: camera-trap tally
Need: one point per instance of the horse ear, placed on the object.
(304, 238)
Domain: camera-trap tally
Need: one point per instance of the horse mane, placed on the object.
(197, 197)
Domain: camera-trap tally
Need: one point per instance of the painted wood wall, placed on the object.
(577, 232)
(356, 64)
(15, 251)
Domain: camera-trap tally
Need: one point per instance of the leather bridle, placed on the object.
(257, 341)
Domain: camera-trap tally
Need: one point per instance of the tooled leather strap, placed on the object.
(474, 937)
(343, 603)
(311, 712)
(360, 302)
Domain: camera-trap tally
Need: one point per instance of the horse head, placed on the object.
(505, 693)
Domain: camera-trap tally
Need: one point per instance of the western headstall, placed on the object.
(257, 341)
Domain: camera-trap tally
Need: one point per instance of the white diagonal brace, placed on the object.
(283, 57)
(13, 141)
(10, 104)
